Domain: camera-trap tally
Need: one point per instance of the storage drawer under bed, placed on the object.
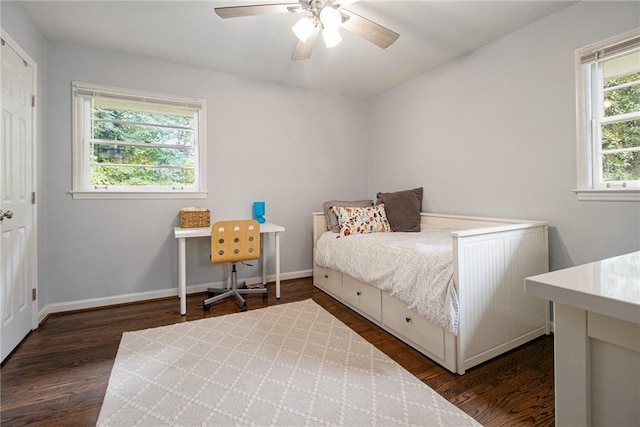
(362, 296)
(398, 317)
(328, 280)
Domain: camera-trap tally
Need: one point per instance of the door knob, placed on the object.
(6, 214)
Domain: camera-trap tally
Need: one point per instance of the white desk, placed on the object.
(182, 234)
(597, 340)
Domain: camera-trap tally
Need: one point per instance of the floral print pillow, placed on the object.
(353, 220)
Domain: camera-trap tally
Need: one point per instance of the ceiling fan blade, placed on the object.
(343, 3)
(375, 33)
(256, 9)
(303, 48)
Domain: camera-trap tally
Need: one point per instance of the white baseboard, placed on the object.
(42, 314)
(163, 293)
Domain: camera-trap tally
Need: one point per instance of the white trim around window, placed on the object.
(84, 95)
(589, 91)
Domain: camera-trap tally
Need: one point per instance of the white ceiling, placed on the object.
(185, 32)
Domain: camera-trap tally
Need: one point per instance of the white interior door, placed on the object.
(17, 243)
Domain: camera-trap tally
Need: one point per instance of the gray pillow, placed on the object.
(331, 217)
(403, 209)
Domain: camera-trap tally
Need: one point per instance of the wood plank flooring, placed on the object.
(59, 374)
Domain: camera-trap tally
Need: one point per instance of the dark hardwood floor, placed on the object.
(59, 374)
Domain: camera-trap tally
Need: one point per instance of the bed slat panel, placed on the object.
(481, 301)
(495, 313)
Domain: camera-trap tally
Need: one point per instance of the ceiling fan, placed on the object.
(325, 15)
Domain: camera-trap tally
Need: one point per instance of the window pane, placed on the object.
(622, 65)
(142, 133)
(139, 176)
(133, 155)
(621, 135)
(623, 100)
(623, 70)
(621, 166)
(132, 111)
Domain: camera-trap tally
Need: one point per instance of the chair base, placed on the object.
(218, 294)
(252, 289)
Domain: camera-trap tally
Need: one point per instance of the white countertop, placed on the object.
(610, 287)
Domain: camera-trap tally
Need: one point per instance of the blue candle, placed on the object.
(258, 212)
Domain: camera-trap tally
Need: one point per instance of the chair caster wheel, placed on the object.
(206, 307)
(244, 307)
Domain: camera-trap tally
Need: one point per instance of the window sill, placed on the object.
(609, 195)
(137, 195)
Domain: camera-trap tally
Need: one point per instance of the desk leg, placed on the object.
(264, 259)
(182, 276)
(277, 265)
(572, 361)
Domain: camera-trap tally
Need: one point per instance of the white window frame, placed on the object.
(588, 162)
(82, 188)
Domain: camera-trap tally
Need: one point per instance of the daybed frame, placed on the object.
(491, 258)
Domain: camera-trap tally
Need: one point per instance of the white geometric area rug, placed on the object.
(288, 365)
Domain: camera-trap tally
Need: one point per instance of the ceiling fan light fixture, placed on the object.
(331, 37)
(330, 18)
(303, 28)
(326, 15)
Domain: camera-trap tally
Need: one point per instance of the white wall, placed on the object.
(493, 134)
(292, 148)
(20, 28)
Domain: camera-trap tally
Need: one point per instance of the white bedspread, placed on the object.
(416, 268)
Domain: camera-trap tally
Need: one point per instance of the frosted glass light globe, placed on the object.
(331, 37)
(330, 18)
(303, 28)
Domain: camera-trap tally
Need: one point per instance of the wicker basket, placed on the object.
(194, 217)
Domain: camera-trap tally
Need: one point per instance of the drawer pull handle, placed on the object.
(326, 276)
(358, 293)
(407, 319)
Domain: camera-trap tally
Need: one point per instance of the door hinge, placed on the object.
(33, 197)
(33, 100)
(34, 293)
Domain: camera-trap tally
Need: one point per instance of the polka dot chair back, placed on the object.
(233, 241)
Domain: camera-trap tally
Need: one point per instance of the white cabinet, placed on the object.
(597, 340)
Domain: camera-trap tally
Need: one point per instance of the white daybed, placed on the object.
(491, 258)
